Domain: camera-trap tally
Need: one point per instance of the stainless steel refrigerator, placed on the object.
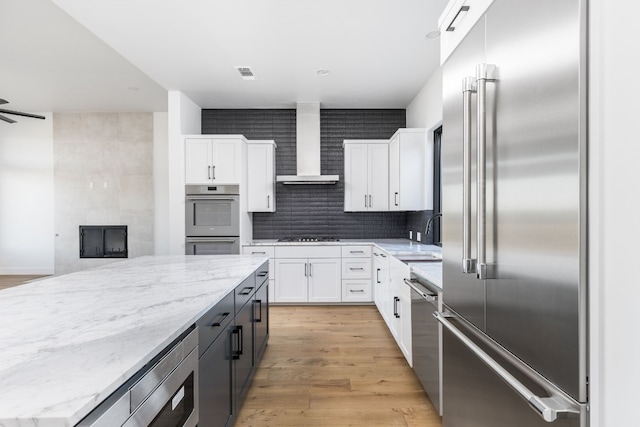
(514, 219)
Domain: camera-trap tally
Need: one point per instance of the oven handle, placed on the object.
(210, 239)
(227, 198)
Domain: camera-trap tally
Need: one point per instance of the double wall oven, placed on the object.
(212, 214)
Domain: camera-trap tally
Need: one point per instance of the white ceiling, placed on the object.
(376, 51)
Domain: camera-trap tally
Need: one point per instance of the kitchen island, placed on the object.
(68, 342)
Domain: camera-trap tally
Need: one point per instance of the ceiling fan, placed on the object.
(17, 113)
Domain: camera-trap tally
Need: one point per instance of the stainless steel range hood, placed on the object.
(308, 148)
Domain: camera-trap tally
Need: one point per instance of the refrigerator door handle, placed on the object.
(548, 408)
(484, 73)
(468, 88)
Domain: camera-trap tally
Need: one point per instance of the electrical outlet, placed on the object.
(410, 235)
(418, 236)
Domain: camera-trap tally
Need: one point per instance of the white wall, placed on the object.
(184, 117)
(613, 217)
(26, 196)
(161, 183)
(425, 111)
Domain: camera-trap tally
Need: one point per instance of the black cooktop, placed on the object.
(309, 239)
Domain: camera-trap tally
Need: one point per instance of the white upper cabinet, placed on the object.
(366, 175)
(213, 160)
(410, 171)
(261, 177)
(455, 22)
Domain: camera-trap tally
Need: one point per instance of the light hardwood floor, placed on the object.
(334, 366)
(11, 281)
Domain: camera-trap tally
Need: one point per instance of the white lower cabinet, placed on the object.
(308, 274)
(308, 280)
(400, 300)
(381, 283)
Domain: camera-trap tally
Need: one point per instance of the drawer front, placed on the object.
(244, 292)
(356, 251)
(356, 268)
(306, 251)
(356, 291)
(262, 273)
(259, 250)
(214, 321)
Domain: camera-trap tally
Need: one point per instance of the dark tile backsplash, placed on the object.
(315, 210)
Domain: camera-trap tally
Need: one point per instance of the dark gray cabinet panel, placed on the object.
(243, 353)
(260, 321)
(216, 382)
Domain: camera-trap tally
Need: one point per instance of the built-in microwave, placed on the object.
(212, 211)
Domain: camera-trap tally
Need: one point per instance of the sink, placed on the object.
(420, 257)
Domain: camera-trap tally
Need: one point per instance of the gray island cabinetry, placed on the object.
(143, 339)
(233, 337)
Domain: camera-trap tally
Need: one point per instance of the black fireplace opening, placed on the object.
(103, 241)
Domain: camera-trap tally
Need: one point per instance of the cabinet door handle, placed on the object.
(306, 273)
(455, 18)
(310, 270)
(258, 318)
(241, 339)
(365, 201)
(235, 343)
(220, 320)
(268, 201)
(208, 172)
(396, 300)
(395, 198)
(370, 205)
(377, 275)
(214, 172)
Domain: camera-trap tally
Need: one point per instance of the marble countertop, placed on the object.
(428, 271)
(68, 342)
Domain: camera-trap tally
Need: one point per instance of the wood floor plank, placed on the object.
(334, 366)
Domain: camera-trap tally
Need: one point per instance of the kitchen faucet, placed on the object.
(430, 221)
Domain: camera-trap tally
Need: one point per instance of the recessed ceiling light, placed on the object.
(323, 72)
(433, 34)
(245, 72)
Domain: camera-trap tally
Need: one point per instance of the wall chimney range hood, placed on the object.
(308, 148)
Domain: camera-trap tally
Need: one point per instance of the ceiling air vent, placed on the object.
(245, 73)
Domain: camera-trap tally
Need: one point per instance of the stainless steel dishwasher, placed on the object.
(426, 338)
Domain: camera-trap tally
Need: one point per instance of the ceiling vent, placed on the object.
(245, 72)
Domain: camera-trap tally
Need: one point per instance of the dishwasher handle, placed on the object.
(427, 296)
(547, 407)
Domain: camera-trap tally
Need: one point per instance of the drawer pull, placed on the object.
(246, 290)
(258, 253)
(356, 252)
(356, 268)
(455, 18)
(263, 273)
(356, 291)
(219, 322)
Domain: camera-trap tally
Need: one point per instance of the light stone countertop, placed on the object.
(68, 342)
(399, 248)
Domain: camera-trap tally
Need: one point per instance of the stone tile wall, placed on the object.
(103, 175)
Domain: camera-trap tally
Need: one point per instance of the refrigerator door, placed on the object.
(475, 396)
(535, 303)
(464, 293)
